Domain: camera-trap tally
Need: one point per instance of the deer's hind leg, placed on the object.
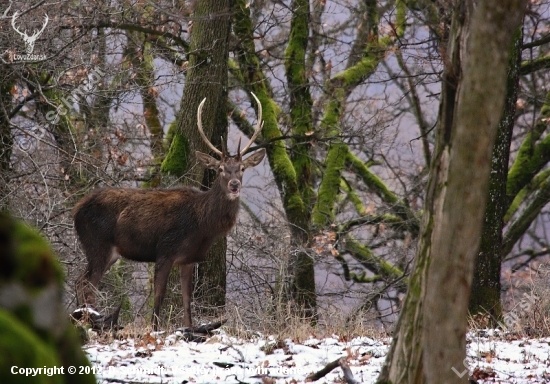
(100, 258)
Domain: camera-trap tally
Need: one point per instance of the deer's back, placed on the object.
(135, 219)
(143, 224)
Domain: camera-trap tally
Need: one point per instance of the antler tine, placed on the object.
(199, 124)
(224, 150)
(258, 129)
(239, 148)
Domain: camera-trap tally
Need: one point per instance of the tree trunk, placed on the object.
(430, 339)
(212, 273)
(140, 55)
(301, 288)
(485, 297)
(206, 77)
(302, 266)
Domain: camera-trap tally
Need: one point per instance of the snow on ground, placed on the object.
(500, 357)
(492, 357)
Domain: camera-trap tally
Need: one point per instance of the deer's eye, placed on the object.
(242, 168)
(220, 169)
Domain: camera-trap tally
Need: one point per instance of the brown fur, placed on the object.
(165, 227)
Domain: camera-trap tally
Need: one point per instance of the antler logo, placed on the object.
(29, 40)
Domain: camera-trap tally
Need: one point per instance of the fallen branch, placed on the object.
(205, 328)
(99, 322)
(341, 362)
(348, 375)
(200, 334)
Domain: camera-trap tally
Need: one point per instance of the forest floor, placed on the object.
(493, 357)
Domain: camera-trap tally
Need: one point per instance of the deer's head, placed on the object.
(231, 168)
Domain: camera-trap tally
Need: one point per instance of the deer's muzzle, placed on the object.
(234, 187)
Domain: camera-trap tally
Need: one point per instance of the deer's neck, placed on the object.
(219, 211)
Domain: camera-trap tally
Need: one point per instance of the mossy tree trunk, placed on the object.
(340, 87)
(485, 297)
(66, 129)
(302, 268)
(139, 52)
(430, 339)
(302, 285)
(206, 77)
(526, 191)
(140, 64)
(293, 174)
(528, 184)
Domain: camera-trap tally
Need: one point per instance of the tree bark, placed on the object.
(139, 52)
(339, 88)
(206, 77)
(301, 287)
(485, 297)
(430, 339)
(302, 268)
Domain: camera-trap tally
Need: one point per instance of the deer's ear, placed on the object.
(254, 159)
(207, 160)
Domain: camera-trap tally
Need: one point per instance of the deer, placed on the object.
(168, 227)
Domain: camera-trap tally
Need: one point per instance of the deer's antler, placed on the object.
(240, 153)
(258, 129)
(204, 138)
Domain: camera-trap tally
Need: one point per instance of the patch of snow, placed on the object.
(491, 358)
(498, 357)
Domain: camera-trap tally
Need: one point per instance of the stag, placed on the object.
(165, 226)
(29, 40)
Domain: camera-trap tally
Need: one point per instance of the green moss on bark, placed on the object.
(340, 87)
(146, 80)
(373, 182)
(21, 348)
(34, 328)
(353, 197)
(176, 161)
(521, 197)
(334, 164)
(523, 221)
(293, 191)
(532, 156)
(367, 258)
(255, 81)
(300, 98)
